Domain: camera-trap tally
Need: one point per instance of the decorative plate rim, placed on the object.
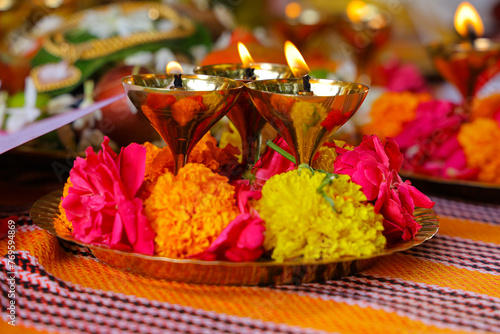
(46, 209)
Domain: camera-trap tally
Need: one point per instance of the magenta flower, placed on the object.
(429, 143)
(242, 239)
(375, 167)
(244, 193)
(448, 161)
(396, 201)
(435, 121)
(369, 163)
(403, 77)
(102, 205)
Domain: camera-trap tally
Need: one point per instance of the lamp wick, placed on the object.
(305, 81)
(250, 73)
(177, 80)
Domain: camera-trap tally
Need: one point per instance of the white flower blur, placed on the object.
(20, 117)
(113, 21)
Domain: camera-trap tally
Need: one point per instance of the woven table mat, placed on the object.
(449, 284)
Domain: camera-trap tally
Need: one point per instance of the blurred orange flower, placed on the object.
(206, 152)
(391, 111)
(486, 107)
(480, 140)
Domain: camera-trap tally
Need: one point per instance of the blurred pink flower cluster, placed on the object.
(430, 144)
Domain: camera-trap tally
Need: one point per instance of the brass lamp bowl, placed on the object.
(243, 115)
(182, 116)
(306, 120)
(467, 66)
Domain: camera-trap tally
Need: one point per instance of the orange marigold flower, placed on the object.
(480, 141)
(189, 211)
(486, 107)
(157, 161)
(206, 152)
(62, 225)
(391, 111)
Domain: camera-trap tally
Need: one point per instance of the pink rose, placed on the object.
(369, 163)
(375, 167)
(102, 205)
(242, 239)
(396, 201)
(272, 163)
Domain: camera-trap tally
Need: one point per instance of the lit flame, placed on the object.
(245, 57)
(174, 67)
(356, 11)
(295, 60)
(53, 3)
(293, 10)
(466, 17)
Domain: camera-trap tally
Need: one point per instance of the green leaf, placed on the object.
(329, 178)
(280, 151)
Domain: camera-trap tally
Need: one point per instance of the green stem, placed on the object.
(88, 91)
(281, 151)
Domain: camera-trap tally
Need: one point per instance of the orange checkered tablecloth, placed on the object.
(450, 284)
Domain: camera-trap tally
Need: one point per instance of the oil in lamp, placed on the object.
(182, 108)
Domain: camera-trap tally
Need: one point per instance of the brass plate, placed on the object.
(45, 212)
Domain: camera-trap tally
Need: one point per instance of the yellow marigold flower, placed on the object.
(480, 141)
(62, 225)
(189, 211)
(391, 111)
(300, 221)
(327, 156)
